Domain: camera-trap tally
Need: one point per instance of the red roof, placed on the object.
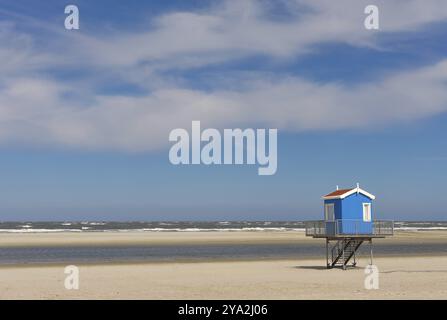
(338, 192)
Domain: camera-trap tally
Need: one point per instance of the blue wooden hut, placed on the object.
(349, 211)
(348, 222)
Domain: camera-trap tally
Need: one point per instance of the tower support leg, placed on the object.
(327, 253)
(371, 251)
(343, 252)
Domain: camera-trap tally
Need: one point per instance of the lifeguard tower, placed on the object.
(348, 223)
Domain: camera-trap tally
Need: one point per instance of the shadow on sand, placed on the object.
(358, 267)
(324, 267)
(311, 267)
(414, 271)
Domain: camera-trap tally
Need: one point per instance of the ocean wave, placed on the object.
(87, 229)
(220, 229)
(38, 230)
(186, 226)
(419, 228)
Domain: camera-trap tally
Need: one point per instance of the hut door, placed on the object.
(329, 212)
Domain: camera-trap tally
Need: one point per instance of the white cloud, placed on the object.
(236, 29)
(37, 108)
(35, 111)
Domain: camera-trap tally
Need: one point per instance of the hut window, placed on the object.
(329, 211)
(367, 212)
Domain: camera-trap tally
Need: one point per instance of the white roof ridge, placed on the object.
(348, 193)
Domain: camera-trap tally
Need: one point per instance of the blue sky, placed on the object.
(86, 114)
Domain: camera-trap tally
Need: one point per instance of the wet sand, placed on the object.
(179, 238)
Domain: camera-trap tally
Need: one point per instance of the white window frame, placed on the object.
(366, 213)
(326, 211)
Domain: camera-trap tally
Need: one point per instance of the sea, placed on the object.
(81, 254)
(185, 226)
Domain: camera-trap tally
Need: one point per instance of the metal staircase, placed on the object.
(343, 251)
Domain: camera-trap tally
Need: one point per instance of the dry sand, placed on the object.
(402, 278)
(413, 277)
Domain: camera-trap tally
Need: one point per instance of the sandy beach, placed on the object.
(418, 276)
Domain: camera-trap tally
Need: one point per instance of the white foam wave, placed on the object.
(219, 229)
(38, 230)
(29, 229)
(419, 228)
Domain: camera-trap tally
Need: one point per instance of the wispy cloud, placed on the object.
(37, 105)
